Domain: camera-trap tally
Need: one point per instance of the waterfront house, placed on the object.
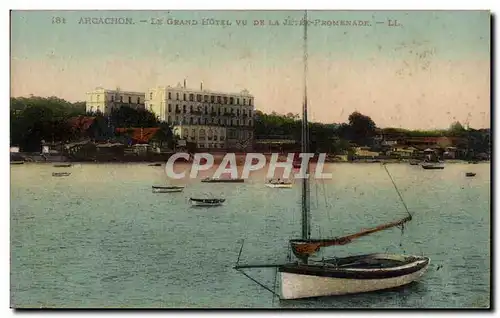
(365, 152)
(403, 151)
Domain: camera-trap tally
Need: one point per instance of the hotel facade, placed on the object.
(208, 118)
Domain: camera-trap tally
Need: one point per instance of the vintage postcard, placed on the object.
(250, 159)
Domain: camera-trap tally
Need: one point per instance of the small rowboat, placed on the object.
(169, 189)
(155, 165)
(279, 184)
(217, 180)
(17, 162)
(470, 174)
(60, 174)
(62, 165)
(433, 165)
(206, 202)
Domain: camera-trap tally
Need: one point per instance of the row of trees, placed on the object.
(360, 129)
(34, 119)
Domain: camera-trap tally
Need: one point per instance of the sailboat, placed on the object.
(306, 278)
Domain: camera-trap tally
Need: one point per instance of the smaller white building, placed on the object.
(104, 100)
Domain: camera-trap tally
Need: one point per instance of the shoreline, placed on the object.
(239, 163)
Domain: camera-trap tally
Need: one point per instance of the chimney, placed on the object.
(201, 86)
(184, 83)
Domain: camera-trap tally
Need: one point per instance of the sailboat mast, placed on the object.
(306, 229)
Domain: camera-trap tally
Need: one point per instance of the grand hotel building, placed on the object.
(208, 118)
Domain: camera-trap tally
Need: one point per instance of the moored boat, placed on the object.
(62, 165)
(155, 165)
(279, 184)
(220, 180)
(206, 202)
(433, 165)
(17, 162)
(306, 278)
(60, 174)
(167, 189)
(350, 275)
(470, 174)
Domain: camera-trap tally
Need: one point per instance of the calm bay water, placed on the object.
(101, 238)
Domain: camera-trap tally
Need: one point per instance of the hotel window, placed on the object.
(212, 99)
(206, 121)
(169, 108)
(198, 98)
(218, 100)
(184, 97)
(244, 101)
(177, 108)
(112, 98)
(121, 99)
(238, 112)
(184, 109)
(169, 119)
(138, 100)
(206, 110)
(198, 120)
(225, 100)
(169, 95)
(150, 95)
(191, 97)
(231, 100)
(177, 96)
(237, 101)
(237, 122)
(191, 120)
(130, 100)
(205, 98)
(191, 108)
(250, 102)
(249, 123)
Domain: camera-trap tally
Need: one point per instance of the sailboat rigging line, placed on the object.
(258, 283)
(274, 286)
(400, 196)
(239, 255)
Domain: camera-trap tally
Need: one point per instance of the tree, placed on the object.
(456, 129)
(34, 119)
(125, 117)
(362, 128)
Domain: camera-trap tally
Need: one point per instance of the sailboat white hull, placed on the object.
(296, 286)
(278, 185)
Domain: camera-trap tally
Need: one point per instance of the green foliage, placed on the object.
(125, 117)
(33, 119)
(362, 128)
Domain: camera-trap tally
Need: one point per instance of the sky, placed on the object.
(432, 68)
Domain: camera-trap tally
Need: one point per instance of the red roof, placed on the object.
(81, 123)
(139, 135)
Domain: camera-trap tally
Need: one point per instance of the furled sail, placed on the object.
(305, 248)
